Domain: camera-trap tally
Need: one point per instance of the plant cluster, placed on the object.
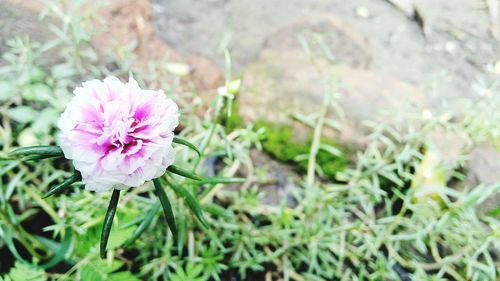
(369, 219)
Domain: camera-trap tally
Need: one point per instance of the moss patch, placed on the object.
(279, 142)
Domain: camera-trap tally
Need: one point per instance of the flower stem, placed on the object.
(108, 221)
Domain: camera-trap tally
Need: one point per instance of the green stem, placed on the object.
(108, 221)
(311, 167)
(205, 144)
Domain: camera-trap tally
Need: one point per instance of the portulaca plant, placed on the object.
(118, 136)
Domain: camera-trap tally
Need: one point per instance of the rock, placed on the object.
(281, 84)
(363, 12)
(405, 6)
(129, 22)
(21, 20)
(484, 165)
(446, 63)
(276, 180)
(327, 36)
(444, 16)
(205, 74)
(280, 180)
(484, 168)
(207, 27)
(450, 145)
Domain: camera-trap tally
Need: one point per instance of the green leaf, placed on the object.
(167, 208)
(103, 271)
(62, 71)
(216, 210)
(26, 272)
(192, 202)
(494, 212)
(22, 114)
(36, 92)
(61, 252)
(7, 90)
(184, 173)
(7, 237)
(47, 119)
(215, 180)
(186, 143)
(42, 151)
(62, 185)
(108, 221)
(181, 223)
(123, 276)
(118, 236)
(144, 223)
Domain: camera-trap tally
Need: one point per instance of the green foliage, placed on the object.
(103, 271)
(281, 142)
(191, 273)
(24, 272)
(233, 121)
(365, 226)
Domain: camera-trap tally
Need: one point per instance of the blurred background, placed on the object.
(368, 132)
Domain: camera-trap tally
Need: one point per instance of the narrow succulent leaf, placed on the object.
(184, 173)
(37, 157)
(167, 208)
(9, 242)
(108, 221)
(181, 237)
(61, 252)
(144, 224)
(42, 151)
(62, 185)
(215, 180)
(192, 203)
(188, 144)
(216, 210)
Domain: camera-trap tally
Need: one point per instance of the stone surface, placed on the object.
(406, 6)
(280, 179)
(276, 180)
(484, 168)
(445, 62)
(130, 21)
(326, 36)
(21, 20)
(281, 84)
(484, 165)
(450, 145)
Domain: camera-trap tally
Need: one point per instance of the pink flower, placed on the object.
(117, 134)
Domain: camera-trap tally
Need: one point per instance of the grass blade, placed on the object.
(144, 224)
(188, 144)
(42, 151)
(167, 208)
(192, 202)
(62, 185)
(108, 221)
(184, 173)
